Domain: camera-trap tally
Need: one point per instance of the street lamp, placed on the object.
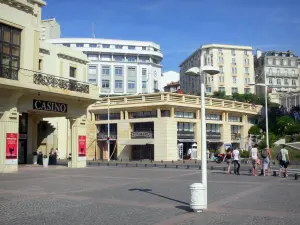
(266, 108)
(199, 190)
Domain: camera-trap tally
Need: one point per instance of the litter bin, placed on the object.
(198, 198)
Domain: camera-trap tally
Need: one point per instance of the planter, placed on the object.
(198, 197)
(45, 162)
(35, 159)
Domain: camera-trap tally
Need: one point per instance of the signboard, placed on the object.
(82, 147)
(12, 148)
(50, 106)
(142, 134)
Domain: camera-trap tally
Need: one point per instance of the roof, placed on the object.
(172, 84)
(288, 53)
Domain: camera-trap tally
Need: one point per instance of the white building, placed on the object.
(169, 77)
(50, 29)
(234, 62)
(120, 66)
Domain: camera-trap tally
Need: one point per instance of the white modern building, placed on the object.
(234, 62)
(49, 29)
(120, 66)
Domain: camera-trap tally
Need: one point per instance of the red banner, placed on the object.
(81, 145)
(11, 145)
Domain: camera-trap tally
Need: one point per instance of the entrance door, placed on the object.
(22, 152)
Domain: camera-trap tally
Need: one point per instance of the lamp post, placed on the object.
(199, 190)
(108, 128)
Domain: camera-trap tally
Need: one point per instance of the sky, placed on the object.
(182, 26)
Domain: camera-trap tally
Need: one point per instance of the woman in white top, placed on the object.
(254, 156)
(236, 163)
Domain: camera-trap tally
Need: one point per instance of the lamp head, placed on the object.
(194, 71)
(211, 70)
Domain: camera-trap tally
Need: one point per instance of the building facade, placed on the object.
(153, 126)
(281, 70)
(234, 62)
(50, 29)
(38, 81)
(172, 87)
(119, 66)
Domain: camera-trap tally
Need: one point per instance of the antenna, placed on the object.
(93, 33)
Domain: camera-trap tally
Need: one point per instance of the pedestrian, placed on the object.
(284, 162)
(236, 163)
(228, 159)
(254, 156)
(266, 163)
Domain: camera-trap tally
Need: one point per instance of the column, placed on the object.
(32, 136)
(77, 129)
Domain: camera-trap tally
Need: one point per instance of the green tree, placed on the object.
(283, 123)
(292, 129)
(255, 130)
(272, 139)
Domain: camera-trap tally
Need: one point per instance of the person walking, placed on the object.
(266, 163)
(254, 156)
(285, 158)
(228, 159)
(236, 163)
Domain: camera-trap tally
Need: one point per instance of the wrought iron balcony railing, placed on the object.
(104, 135)
(142, 134)
(60, 82)
(236, 136)
(213, 135)
(8, 72)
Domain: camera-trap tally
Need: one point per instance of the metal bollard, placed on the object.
(121, 160)
(262, 172)
(296, 176)
(89, 163)
(126, 164)
(98, 164)
(199, 167)
(151, 161)
(176, 166)
(195, 161)
(183, 161)
(145, 165)
(224, 169)
(116, 164)
(274, 173)
(165, 165)
(172, 161)
(187, 166)
(107, 164)
(162, 161)
(250, 170)
(136, 165)
(211, 168)
(155, 165)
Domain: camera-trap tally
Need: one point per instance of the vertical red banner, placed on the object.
(11, 146)
(81, 145)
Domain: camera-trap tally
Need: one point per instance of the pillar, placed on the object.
(77, 128)
(32, 136)
(198, 136)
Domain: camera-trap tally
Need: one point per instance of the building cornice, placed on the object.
(72, 58)
(28, 6)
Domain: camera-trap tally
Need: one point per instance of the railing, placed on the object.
(142, 134)
(103, 135)
(59, 82)
(282, 75)
(8, 73)
(185, 135)
(213, 135)
(236, 137)
(176, 98)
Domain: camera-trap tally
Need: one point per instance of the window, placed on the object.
(234, 80)
(270, 80)
(208, 89)
(270, 61)
(119, 46)
(221, 69)
(181, 126)
(144, 71)
(213, 128)
(92, 70)
(112, 116)
(246, 61)
(286, 71)
(105, 46)
(40, 64)
(247, 90)
(247, 80)
(284, 62)
(144, 59)
(106, 70)
(235, 129)
(119, 71)
(131, 47)
(118, 84)
(66, 45)
(233, 61)
(234, 70)
(293, 82)
(252, 121)
(245, 52)
(270, 71)
(277, 62)
(131, 58)
(278, 81)
(221, 79)
(72, 72)
(93, 45)
(119, 58)
(131, 84)
(278, 71)
(92, 80)
(222, 89)
(155, 84)
(93, 56)
(213, 117)
(144, 84)
(246, 70)
(292, 62)
(10, 40)
(293, 72)
(234, 90)
(165, 113)
(233, 52)
(235, 119)
(145, 114)
(80, 45)
(286, 81)
(105, 83)
(144, 48)
(220, 50)
(189, 115)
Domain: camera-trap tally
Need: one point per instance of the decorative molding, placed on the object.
(68, 57)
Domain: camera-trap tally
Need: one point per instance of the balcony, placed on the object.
(282, 75)
(104, 135)
(236, 137)
(59, 82)
(9, 73)
(142, 135)
(185, 135)
(213, 135)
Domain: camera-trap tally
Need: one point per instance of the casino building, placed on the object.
(39, 82)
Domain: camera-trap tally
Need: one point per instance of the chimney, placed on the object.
(258, 53)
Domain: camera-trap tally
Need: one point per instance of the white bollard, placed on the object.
(198, 202)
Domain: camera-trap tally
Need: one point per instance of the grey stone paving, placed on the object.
(119, 196)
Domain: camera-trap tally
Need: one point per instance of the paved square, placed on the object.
(119, 196)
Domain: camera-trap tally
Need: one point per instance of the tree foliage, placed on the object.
(255, 130)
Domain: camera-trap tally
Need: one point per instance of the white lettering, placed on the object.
(36, 104)
(44, 106)
(63, 108)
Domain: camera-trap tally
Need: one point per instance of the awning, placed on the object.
(187, 140)
(214, 141)
(140, 142)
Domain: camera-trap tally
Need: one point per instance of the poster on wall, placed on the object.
(82, 147)
(12, 148)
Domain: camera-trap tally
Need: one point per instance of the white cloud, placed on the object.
(168, 77)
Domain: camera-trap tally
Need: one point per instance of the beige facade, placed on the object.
(50, 29)
(38, 81)
(234, 62)
(153, 125)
